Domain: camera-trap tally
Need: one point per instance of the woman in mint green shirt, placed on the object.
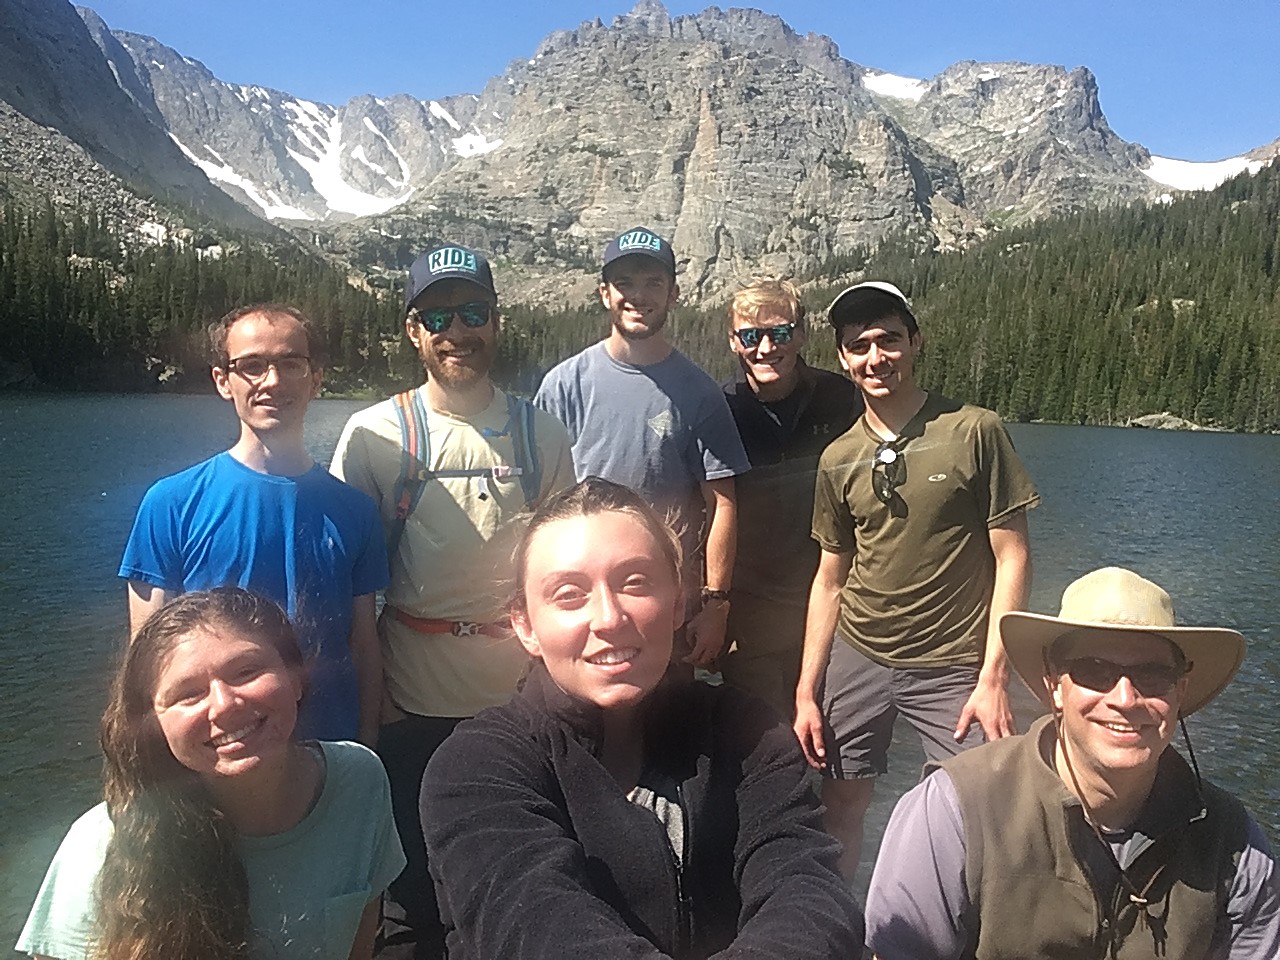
(220, 836)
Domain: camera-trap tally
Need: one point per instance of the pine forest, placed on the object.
(1093, 318)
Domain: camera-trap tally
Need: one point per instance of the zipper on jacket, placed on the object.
(684, 934)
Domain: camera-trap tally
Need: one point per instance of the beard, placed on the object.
(650, 326)
(474, 369)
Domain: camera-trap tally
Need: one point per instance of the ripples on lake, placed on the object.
(1196, 513)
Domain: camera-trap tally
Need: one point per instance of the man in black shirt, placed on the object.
(786, 413)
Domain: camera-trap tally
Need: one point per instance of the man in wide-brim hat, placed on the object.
(1087, 836)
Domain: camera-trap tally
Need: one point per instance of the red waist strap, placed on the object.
(459, 628)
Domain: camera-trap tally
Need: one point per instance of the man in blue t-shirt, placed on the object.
(264, 516)
(639, 412)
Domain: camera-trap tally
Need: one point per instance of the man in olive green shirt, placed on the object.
(920, 511)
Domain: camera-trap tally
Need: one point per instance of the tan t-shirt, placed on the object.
(919, 588)
(454, 560)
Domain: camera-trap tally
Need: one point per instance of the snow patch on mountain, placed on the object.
(272, 207)
(1198, 175)
(441, 113)
(395, 181)
(359, 154)
(895, 87)
(325, 172)
(474, 144)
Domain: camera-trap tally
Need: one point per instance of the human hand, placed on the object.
(987, 706)
(808, 730)
(705, 633)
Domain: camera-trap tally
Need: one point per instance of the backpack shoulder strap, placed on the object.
(520, 414)
(415, 461)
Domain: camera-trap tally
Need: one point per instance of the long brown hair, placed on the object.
(172, 884)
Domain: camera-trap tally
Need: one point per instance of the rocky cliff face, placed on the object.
(1027, 140)
(293, 159)
(53, 75)
(755, 148)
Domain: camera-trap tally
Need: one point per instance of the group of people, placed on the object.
(551, 778)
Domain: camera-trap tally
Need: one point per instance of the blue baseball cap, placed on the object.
(449, 262)
(643, 241)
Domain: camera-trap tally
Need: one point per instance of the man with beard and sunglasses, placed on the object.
(643, 414)
(453, 466)
(264, 516)
(920, 512)
(1090, 836)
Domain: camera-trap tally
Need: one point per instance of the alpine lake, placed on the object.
(1196, 512)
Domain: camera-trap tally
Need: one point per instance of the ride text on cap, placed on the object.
(451, 258)
(638, 240)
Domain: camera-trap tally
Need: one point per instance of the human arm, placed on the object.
(366, 656)
(367, 932)
(794, 902)
(1253, 905)
(988, 705)
(917, 898)
(144, 600)
(819, 631)
(706, 628)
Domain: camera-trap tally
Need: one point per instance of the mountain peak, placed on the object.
(649, 16)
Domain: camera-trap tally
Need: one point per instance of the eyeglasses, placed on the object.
(750, 337)
(439, 319)
(255, 369)
(1149, 679)
(888, 471)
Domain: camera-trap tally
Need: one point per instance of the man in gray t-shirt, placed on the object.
(641, 413)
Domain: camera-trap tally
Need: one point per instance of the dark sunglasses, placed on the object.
(1149, 679)
(888, 471)
(255, 369)
(439, 319)
(750, 337)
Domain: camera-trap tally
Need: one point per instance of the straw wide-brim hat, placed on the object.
(1114, 601)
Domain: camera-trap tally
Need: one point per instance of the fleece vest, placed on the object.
(1042, 886)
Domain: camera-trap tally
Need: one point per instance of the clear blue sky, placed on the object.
(1192, 79)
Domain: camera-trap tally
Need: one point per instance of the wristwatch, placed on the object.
(708, 595)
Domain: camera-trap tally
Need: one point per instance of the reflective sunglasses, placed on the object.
(439, 319)
(750, 337)
(1149, 679)
(255, 369)
(888, 471)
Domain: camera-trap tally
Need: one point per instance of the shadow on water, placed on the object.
(1195, 512)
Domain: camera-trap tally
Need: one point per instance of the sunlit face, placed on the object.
(461, 356)
(1118, 729)
(226, 703)
(769, 364)
(639, 294)
(275, 401)
(880, 358)
(602, 606)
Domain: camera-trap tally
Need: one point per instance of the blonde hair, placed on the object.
(767, 292)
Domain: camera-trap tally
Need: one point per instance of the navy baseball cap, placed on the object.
(447, 263)
(643, 241)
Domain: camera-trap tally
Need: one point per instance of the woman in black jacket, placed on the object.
(614, 808)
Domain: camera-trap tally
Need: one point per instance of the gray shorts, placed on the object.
(861, 699)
